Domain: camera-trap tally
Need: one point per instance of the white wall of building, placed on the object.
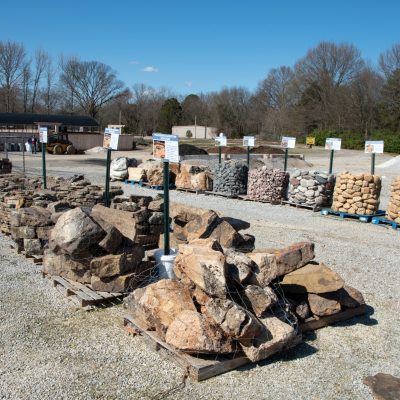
(198, 131)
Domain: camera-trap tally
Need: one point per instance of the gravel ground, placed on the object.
(49, 350)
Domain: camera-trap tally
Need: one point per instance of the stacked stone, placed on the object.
(230, 178)
(98, 248)
(357, 194)
(311, 188)
(267, 184)
(193, 177)
(393, 211)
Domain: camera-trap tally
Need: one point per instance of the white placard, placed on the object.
(43, 135)
(288, 142)
(372, 146)
(220, 140)
(333, 144)
(166, 146)
(248, 141)
(111, 138)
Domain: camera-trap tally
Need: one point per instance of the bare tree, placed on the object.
(12, 63)
(92, 83)
(41, 61)
(389, 61)
(26, 81)
(49, 93)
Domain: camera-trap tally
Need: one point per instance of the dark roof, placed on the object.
(30, 119)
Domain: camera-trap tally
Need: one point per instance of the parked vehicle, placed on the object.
(60, 144)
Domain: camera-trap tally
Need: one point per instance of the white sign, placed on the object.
(166, 146)
(333, 144)
(248, 141)
(374, 146)
(111, 138)
(43, 135)
(220, 140)
(288, 142)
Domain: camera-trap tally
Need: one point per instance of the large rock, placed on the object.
(193, 177)
(113, 238)
(74, 234)
(117, 284)
(240, 267)
(121, 220)
(34, 216)
(322, 306)
(112, 265)
(347, 296)
(261, 299)
(201, 226)
(192, 332)
(235, 321)
(33, 247)
(312, 278)
(206, 269)
(274, 337)
(274, 263)
(23, 232)
(226, 235)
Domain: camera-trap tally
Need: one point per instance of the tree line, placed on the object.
(331, 88)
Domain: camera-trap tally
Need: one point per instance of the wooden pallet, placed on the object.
(247, 198)
(221, 194)
(157, 187)
(314, 208)
(343, 215)
(187, 190)
(134, 182)
(385, 221)
(82, 295)
(313, 323)
(199, 367)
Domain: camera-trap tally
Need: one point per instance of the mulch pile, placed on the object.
(189, 149)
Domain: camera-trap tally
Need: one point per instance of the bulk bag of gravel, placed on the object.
(267, 184)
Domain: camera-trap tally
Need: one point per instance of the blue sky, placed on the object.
(200, 46)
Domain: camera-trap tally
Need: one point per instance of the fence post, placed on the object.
(166, 208)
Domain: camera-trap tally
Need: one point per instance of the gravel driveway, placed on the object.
(48, 350)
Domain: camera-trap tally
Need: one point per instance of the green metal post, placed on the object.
(219, 154)
(107, 185)
(44, 165)
(248, 157)
(166, 208)
(373, 164)
(286, 158)
(331, 161)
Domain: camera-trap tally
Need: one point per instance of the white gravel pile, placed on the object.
(50, 351)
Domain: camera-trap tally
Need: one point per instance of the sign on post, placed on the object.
(166, 147)
(333, 144)
(43, 135)
(310, 141)
(220, 140)
(248, 141)
(288, 142)
(111, 138)
(374, 147)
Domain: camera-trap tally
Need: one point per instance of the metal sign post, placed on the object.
(248, 157)
(44, 165)
(166, 207)
(23, 155)
(219, 155)
(331, 161)
(373, 164)
(286, 159)
(107, 183)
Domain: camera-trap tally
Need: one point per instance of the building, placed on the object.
(195, 131)
(29, 123)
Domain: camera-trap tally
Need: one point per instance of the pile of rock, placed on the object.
(315, 291)
(190, 223)
(230, 178)
(357, 194)
(267, 184)
(393, 210)
(90, 247)
(194, 177)
(5, 166)
(152, 172)
(311, 188)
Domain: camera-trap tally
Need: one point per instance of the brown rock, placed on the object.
(312, 278)
(274, 337)
(118, 284)
(240, 267)
(113, 238)
(302, 310)
(347, 297)
(322, 306)
(192, 332)
(43, 232)
(23, 232)
(260, 298)
(202, 226)
(34, 216)
(226, 235)
(384, 386)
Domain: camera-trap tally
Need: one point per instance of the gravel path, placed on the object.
(49, 350)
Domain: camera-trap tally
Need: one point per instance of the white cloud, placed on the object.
(133, 62)
(189, 83)
(150, 69)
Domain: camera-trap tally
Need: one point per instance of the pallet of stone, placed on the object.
(198, 367)
(134, 182)
(313, 207)
(221, 194)
(247, 198)
(188, 190)
(328, 212)
(313, 323)
(82, 295)
(385, 221)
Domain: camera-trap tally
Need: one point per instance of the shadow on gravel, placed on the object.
(92, 161)
(364, 319)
